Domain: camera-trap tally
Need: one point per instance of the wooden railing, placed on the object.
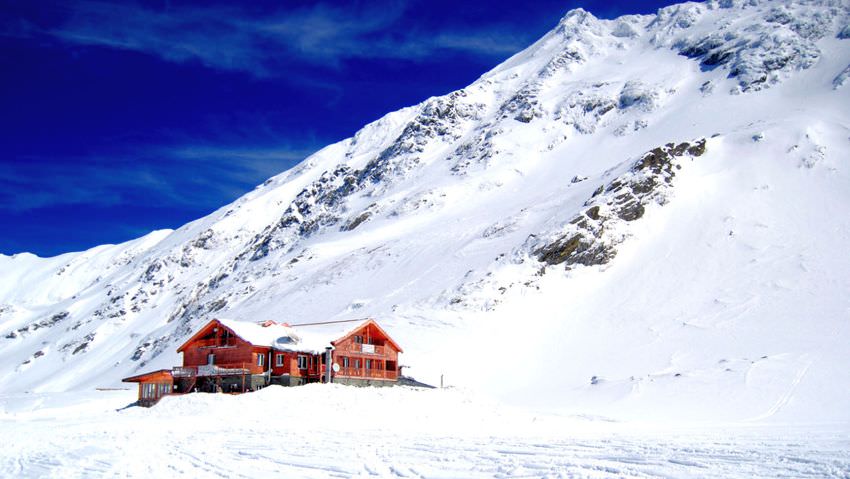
(361, 348)
(368, 373)
(184, 372)
(227, 369)
(214, 343)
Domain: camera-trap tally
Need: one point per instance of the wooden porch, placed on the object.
(367, 373)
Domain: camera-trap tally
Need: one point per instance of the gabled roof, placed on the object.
(312, 337)
(273, 335)
(318, 336)
(364, 324)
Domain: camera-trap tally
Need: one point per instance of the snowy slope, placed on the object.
(660, 203)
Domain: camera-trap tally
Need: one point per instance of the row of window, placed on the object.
(304, 362)
(155, 390)
(358, 339)
(307, 362)
(368, 363)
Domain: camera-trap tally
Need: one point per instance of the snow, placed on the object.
(337, 431)
(273, 335)
(303, 337)
(317, 337)
(715, 335)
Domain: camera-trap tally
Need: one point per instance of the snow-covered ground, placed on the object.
(320, 431)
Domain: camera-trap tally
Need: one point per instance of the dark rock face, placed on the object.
(357, 221)
(204, 240)
(622, 200)
(523, 106)
(322, 203)
(44, 323)
(760, 57)
(576, 249)
(79, 345)
(154, 345)
(561, 61)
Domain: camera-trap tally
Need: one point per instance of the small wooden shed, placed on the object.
(153, 386)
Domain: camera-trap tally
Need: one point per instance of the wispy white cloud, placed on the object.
(267, 43)
(192, 175)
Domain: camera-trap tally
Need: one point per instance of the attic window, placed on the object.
(358, 339)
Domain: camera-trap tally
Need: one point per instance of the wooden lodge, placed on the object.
(235, 356)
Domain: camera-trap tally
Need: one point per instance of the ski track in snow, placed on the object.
(380, 453)
(314, 432)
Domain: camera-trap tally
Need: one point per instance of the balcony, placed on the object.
(361, 348)
(367, 373)
(231, 369)
(214, 343)
(184, 372)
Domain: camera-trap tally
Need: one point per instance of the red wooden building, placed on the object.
(236, 356)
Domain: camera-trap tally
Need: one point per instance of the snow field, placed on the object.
(318, 431)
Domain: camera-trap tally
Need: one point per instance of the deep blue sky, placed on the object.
(118, 118)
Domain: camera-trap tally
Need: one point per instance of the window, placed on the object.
(279, 360)
(302, 362)
(356, 364)
(368, 364)
(155, 390)
(210, 358)
(260, 357)
(344, 361)
(358, 339)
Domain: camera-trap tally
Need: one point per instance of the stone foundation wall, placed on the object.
(364, 382)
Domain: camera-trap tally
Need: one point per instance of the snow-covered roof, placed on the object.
(316, 337)
(308, 337)
(274, 335)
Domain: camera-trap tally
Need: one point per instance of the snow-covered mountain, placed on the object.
(644, 217)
